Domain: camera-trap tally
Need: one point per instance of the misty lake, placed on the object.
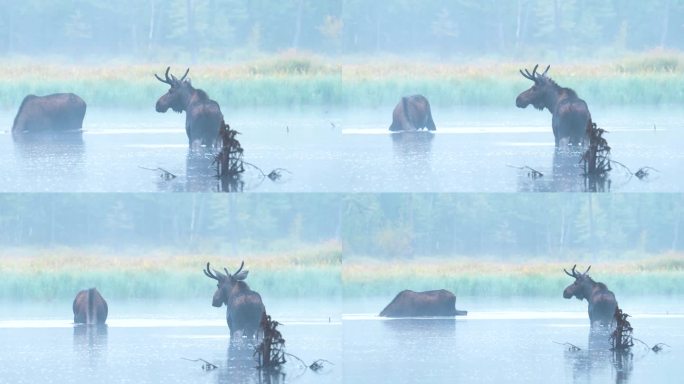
(146, 342)
(344, 151)
(512, 343)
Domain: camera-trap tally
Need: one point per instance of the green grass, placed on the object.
(59, 274)
(662, 275)
(297, 80)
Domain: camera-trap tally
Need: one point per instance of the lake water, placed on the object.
(147, 343)
(499, 341)
(509, 341)
(345, 151)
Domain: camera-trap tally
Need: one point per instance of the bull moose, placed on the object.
(602, 303)
(244, 306)
(570, 114)
(58, 112)
(90, 307)
(421, 304)
(202, 115)
(412, 113)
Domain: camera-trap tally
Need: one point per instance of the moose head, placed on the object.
(582, 286)
(538, 93)
(228, 284)
(178, 96)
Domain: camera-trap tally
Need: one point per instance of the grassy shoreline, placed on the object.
(59, 274)
(302, 81)
(659, 275)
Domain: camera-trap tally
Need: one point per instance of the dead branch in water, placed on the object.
(270, 353)
(164, 174)
(532, 173)
(228, 161)
(571, 347)
(207, 366)
(621, 338)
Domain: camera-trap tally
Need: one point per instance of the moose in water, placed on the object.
(59, 112)
(570, 114)
(423, 304)
(245, 307)
(412, 113)
(90, 307)
(602, 303)
(202, 115)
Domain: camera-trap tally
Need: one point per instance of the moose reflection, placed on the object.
(570, 114)
(90, 307)
(420, 304)
(602, 303)
(412, 113)
(244, 306)
(56, 113)
(202, 115)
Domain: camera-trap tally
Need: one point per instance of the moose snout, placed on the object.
(567, 294)
(161, 108)
(520, 102)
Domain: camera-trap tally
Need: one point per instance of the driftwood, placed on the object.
(163, 173)
(270, 353)
(571, 347)
(531, 172)
(206, 366)
(621, 338)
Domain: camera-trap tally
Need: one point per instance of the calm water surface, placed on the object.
(509, 342)
(145, 343)
(345, 151)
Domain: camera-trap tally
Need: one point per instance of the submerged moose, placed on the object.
(244, 306)
(412, 113)
(423, 304)
(602, 303)
(59, 112)
(90, 307)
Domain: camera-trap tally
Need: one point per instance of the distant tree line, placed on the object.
(511, 225)
(381, 225)
(223, 29)
(184, 222)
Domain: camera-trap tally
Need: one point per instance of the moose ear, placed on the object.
(241, 276)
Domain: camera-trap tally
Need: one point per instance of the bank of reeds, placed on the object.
(661, 275)
(59, 274)
(297, 80)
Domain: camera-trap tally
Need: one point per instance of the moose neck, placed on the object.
(552, 96)
(587, 287)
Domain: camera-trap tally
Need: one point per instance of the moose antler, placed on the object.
(534, 76)
(236, 272)
(168, 80)
(216, 275)
(171, 80)
(585, 272)
(574, 273)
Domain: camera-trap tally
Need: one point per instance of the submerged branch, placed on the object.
(164, 174)
(207, 366)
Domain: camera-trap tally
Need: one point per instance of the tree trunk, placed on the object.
(192, 41)
(298, 25)
(665, 26)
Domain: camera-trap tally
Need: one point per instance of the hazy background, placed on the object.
(219, 30)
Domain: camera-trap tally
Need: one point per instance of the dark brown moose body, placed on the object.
(421, 304)
(570, 114)
(602, 303)
(203, 116)
(59, 112)
(244, 306)
(412, 113)
(90, 307)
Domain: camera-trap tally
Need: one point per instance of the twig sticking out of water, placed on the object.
(270, 353)
(659, 347)
(621, 338)
(641, 174)
(207, 366)
(164, 174)
(571, 347)
(532, 173)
